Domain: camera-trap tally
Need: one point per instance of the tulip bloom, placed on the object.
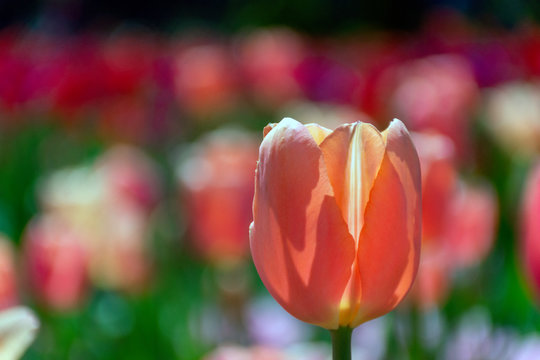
(216, 180)
(531, 228)
(55, 263)
(337, 220)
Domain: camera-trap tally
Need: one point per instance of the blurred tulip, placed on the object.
(439, 176)
(216, 178)
(530, 228)
(131, 177)
(458, 220)
(426, 86)
(471, 224)
(205, 80)
(119, 254)
(8, 280)
(268, 59)
(110, 204)
(432, 283)
(55, 263)
(18, 328)
(317, 242)
(513, 117)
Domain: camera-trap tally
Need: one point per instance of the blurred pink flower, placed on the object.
(530, 229)
(8, 279)
(217, 181)
(111, 204)
(425, 86)
(268, 59)
(205, 80)
(55, 263)
(439, 175)
(471, 224)
(432, 282)
(131, 177)
(458, 219)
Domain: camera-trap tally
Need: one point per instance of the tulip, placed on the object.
(427, 85)
(8, 285)
(216, 179)
(110, 203)
(18, 328)
(268, 59)
(131, 177)
(205, 82)
(439, 176)
(55, 263)
(432, 282)
(337, 222)
(458, 220)
(531, 229)
(470, 227)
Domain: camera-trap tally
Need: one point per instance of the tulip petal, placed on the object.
(391, 232)
(300, 244)
(353, 154)
(403, 156)
(318, 132)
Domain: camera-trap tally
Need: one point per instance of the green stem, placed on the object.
(341, 343)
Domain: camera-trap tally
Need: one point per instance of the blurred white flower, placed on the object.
(513, 117)
(18, 328)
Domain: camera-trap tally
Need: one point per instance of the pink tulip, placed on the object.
(131, 177)
(458, 221)
(439, 176)
(217, 185)
(530, 227)
(268, 59)
(55, 263)
(205, 81)
(337, 220)
(470, 228)
(426, 86)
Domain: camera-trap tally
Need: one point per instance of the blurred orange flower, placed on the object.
(337, 220)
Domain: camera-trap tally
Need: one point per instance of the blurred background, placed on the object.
(129, 134)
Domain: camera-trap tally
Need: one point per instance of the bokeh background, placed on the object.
(129, 134)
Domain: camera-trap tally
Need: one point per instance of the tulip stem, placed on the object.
(341, 343)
